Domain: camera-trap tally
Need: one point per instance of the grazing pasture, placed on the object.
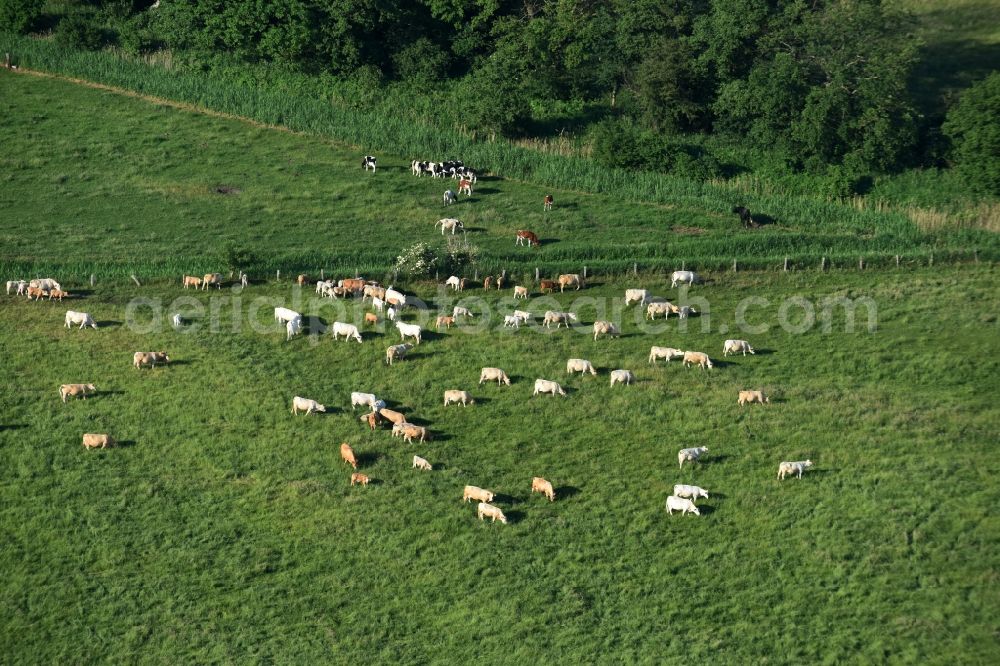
(221, 528)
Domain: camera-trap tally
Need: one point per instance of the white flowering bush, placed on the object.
(418, 260)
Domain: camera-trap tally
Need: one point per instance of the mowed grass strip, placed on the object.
(225, 529)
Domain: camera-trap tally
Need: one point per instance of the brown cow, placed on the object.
(445, 321)
(501, 281)
(547, 285)
(354, 285)
(372, 419)
(358, 477)
(525, 237)
(547, 202)
(347, 453)
(58, 293)
(149, 359)
(371, 318)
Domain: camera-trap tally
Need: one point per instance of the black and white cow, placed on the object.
(744, 214)
(368, 162)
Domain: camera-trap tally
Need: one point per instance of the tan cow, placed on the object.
(750, 397)
(476, 493)
(58, 294)
(411, 432)
(397, 352)
(392, 416)
(347, 455)
(372, 419)
(149, 359)
(463, 397)
(191, 281)
(94, 440)
(605, 328)
(354, 285)
(489, 511)
(540, 485)
(420, 463)
(697, 358)
(570, 280)
(36, 293)
(371, 318)
(358, 477)
(488, 282)
(73, 390)
(444, 321)
(212, 280)
(302, 280)
(520, 292)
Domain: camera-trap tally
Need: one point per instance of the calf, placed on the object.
(449, 224)
(449, 197)
(368, 162)
(191, 281)
(396, 352)
(465, 187)
(358, 477)
(547, 286)
(547, 202)
(744, 214)
(58, 294)
(420, 463)
(371, 318)
(520, 292)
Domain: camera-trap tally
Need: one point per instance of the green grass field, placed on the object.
(224, 529)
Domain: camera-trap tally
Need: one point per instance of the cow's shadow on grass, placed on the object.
(80, 293)
(705, 509)
(435, 436)
(13, 426)
(108, 392)
(508, 500)
(565, 492)
(124, 443)
(368, 458)
(483, 190)
(108, 323)
(761, 220)
(513, 517)
(181, 362)
(709, 459)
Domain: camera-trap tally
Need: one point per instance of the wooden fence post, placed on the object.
(536, 274)
(975, 256)
(136, 280)
(734, 265)
(861, 263)
(635, 268)
(91, 279)
(931, 262)
(683, 267)
(822, 264)
(322, 275)
(786, 264)
(897, 261)
(584, 272)
(277, 276)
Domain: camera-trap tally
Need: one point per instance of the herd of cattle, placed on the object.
(684, 496)
(388, 301)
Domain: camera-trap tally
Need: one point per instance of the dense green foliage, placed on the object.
(823, 82)
(974, 126)
(148, 188)
(19, 16)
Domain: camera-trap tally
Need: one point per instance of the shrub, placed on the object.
(79, 31)
(973, 125)
(418, 260)
(19, 15)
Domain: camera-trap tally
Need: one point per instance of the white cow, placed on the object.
(558, 318)
(580, 365)
(546, 386)
(306, 405)
(513, 321)
(680, 504)
(81, 318)
(736, 346)
(178, 321)
(798, 467)
(662, 308)
(605, 328)
(526, 316)
(349, 331)
(690, 454)
(639, 296)
(449, 198)
(285, 315)
(684, 277)
(454, 282)
(366, 399)
(622, 377)
(458, 311)
(692, 492)
(393, 297)
(391, 313)
(45, 284)
(664, 353)
(292, 328)
(15, 284)
(489, 374)
(409, 331)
